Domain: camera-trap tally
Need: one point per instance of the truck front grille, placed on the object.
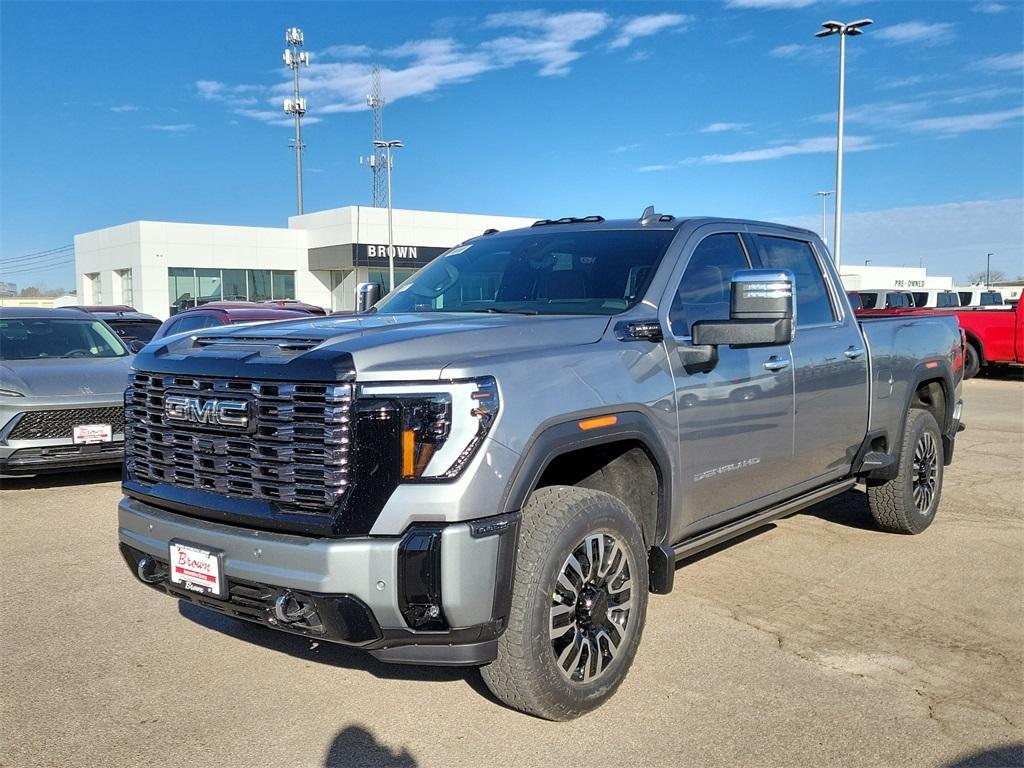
(61, 423)
(294, 452)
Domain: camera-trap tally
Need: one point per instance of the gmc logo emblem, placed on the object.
(218, 413)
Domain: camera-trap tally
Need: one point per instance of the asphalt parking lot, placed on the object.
(818, 641)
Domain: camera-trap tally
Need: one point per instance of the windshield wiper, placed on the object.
(499, 311)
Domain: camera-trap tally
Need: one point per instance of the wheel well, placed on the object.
(975, 342)
(624, 469)
(931, 396)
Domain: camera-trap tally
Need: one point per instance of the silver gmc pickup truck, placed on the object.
(498, 462)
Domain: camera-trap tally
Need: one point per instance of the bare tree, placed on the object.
(995, 276)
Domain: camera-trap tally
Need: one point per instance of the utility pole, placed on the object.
(387, 146)
(824, 197)
(844, 31)
(988, 270)
(296, 105)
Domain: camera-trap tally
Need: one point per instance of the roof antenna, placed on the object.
(648, 215)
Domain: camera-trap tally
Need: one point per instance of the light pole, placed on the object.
(988, 270)
(389, 145)
(824, 197)
(843, 30)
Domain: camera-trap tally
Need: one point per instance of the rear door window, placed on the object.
(813, 305)
(920, 299)
(965, 298)
(869, 299)
(991, 298)
(948, 300)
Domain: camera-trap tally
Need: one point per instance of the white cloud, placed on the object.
(346, 51)
(645, 26)
(950, 238)
(625, 148)
(654, 168)
(723, 127)
(988, 7)
(1004, 62)
(902, 82)
(811, 146)
(124, 108)
(790, 51)
(769, 3)
(954, 125)
(550, 40)
(927, 33)
(172, 127)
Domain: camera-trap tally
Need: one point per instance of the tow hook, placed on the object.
(149, 571)
(289, 608)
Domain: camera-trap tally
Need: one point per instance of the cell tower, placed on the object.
(296, 105)
(377, 161)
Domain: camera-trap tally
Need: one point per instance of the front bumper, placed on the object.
(352, 591)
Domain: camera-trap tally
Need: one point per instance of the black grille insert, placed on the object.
(57, 424)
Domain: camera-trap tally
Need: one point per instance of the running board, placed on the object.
(690, 547)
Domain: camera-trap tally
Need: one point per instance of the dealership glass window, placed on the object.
(259, 284)
(209, 285)
(233, 284)
(284, 285)
(190, 286)
(125, 276)
(92, 288)
(181, 288)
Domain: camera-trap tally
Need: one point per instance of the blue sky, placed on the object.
(121, 111)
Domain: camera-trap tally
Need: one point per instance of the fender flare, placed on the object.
(563, 436)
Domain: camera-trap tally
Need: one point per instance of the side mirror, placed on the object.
(762, 311)
(367, 294)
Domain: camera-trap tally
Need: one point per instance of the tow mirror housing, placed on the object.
(367, 294)
(762, 311)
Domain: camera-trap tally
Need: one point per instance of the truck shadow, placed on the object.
(355, 747)
(329, 654)
(998, 757)
(849, 508)
(61, 479)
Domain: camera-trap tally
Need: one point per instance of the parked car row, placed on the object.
(63, 373)
(889, 298)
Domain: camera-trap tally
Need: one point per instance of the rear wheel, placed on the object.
(907, 503)
(578, 605)
(972, 361)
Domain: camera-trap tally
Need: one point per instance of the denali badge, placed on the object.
(220, 413)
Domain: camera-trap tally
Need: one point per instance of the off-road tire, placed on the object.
(893, 503)
(525, 675)
(972, 361)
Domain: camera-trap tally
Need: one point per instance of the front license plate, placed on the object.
(197, 569)
(92, 433)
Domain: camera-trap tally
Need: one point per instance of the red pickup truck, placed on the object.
(993, 336)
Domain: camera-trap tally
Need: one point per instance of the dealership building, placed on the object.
(163, 267)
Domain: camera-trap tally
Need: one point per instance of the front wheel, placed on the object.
(907, 503)
(579, 601)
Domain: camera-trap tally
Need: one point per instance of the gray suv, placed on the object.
(499, 462)
(62, 381)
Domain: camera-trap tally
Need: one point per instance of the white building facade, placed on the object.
(163, 267)
(867, 277)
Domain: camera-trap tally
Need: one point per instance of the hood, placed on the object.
(418, 345)
(70, 377)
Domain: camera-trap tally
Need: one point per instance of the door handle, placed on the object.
(854, 352)
(775, 363)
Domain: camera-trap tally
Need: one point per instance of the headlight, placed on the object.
(10, 393)
(441, 424)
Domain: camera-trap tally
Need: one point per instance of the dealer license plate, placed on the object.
(92, 433)
(197, 569)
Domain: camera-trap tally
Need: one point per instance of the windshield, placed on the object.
(591, 272)
(38, 338)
